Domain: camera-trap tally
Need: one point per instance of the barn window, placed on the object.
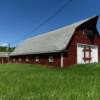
(83, 32)
(89, 34)
(37, 59)
(13, 59)
(27, 60)
(87, 54)
(19, 59)
(50, 58)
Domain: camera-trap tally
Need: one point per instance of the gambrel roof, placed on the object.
(53, 41)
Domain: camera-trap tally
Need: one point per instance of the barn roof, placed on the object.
(4, 54)
(53, 41)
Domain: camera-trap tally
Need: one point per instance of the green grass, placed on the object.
(35, 82)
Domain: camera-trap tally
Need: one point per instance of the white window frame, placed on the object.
(50, 58)
(37, 59)
(20, 59)
(27, 59)
(13, 59)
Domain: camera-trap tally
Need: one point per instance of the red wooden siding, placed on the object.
(43, 59)
(70, 55)
(3, 60)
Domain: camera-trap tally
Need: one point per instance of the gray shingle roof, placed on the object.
(53, 41)
(4, 54)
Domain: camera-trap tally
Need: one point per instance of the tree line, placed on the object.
(6, 49)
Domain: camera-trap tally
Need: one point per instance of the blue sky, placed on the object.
(20, 17)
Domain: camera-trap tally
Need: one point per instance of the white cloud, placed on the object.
(3, 44)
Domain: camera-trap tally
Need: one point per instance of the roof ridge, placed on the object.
(65, 26)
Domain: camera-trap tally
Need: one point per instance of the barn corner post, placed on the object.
(62, 61)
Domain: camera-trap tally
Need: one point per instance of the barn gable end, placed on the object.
(81, 36)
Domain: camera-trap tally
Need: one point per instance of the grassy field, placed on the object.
(35, 82)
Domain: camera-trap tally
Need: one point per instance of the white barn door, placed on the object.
(94, 55)
(87, 53)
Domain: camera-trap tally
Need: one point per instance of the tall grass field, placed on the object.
(36, 82)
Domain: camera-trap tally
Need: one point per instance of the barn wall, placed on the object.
(3, 60)
(97, 42)
(43, 59)
(70, 54)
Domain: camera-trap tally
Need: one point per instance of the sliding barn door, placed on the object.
(87, 53)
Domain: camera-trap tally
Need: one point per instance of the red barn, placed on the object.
(77, 43)
(4, 57)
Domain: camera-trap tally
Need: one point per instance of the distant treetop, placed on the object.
(6, 49)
